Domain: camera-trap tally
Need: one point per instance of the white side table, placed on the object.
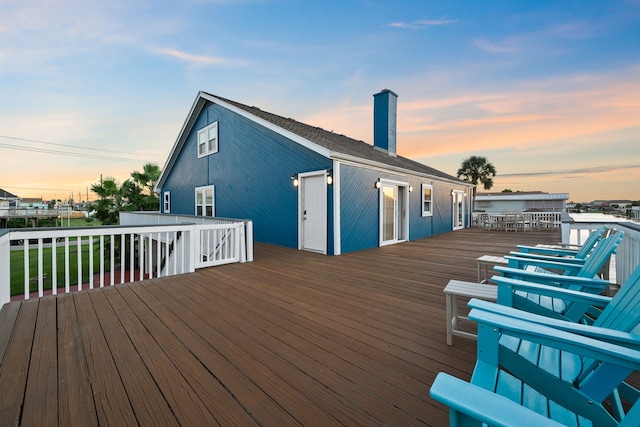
(452, 291)
(486, 264)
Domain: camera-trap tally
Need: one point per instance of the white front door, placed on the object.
(458, 209)
(313, 215)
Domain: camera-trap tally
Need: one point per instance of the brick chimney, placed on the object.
(384, 121)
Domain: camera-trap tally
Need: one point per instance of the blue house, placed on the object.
(305, 187)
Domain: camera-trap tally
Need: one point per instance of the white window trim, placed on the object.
(454, 194)
(210, 141)
(404, 231)
(204, 206)
(166, 202)
(430, 211)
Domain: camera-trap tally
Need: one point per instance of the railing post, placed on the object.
(237, 234)
(243, 242)
(5, 272)
(194, 246)
(627, 255)
(566, 221)
(249, 240)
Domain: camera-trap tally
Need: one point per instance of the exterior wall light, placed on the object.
(294, 178)
(410, 189)
(376, 184)
(330, 176)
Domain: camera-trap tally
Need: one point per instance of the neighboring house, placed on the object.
(521, 201)
(33, 202)
(620, 207)
(7, 199)
(305, 187)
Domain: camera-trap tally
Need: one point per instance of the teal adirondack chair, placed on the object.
(563, 253)
(578, 304)
(555, 272)
(577, 257)
(471, 406)
(551, 369)
(583, 279)
(565, 302)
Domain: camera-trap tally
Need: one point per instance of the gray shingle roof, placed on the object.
(340, 143)
(6, 195)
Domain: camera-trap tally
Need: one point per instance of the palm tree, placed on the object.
(110, 201)
(146, 199)
(477, 168)
(148, 177)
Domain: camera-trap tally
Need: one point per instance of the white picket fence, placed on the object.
(70, 259)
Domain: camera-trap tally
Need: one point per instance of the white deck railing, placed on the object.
(576, 228)
(16, 212)
(529, 220)
(61, 260)
(245, 232)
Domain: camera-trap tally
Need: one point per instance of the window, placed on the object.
(205, 201)
(166, 202)
(427, 200)
(208, 140)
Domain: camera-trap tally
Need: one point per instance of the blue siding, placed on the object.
(330, 239)
(443, 208)
(251, 173)
(359, 207)
(419, 226)
(443, 204)
(252, 177)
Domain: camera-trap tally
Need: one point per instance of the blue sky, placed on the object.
(548, 91)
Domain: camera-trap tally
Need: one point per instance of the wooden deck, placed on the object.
(293, 338)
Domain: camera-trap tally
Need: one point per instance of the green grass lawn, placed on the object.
(17, 262)
(17, 267)
(80, 222)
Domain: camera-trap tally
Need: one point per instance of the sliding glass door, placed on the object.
(393, 213)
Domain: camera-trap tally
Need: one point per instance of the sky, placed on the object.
(547, 91)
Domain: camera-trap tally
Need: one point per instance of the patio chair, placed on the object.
(563, 254)
(553, 272)
(563, 371)
(581, 253)
(566, 304)
(574, 301)
(471, 405)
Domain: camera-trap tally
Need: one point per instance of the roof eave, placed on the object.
(275, 128)
(196, 108)
(385, 167)
(197, 105)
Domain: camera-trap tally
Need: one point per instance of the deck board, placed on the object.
(112, 403)
(42, 380)
(199, 385)
(304, 357)
(15, 363)
(119, 325)
(77, 408)
(209, 349)
(293, 338)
